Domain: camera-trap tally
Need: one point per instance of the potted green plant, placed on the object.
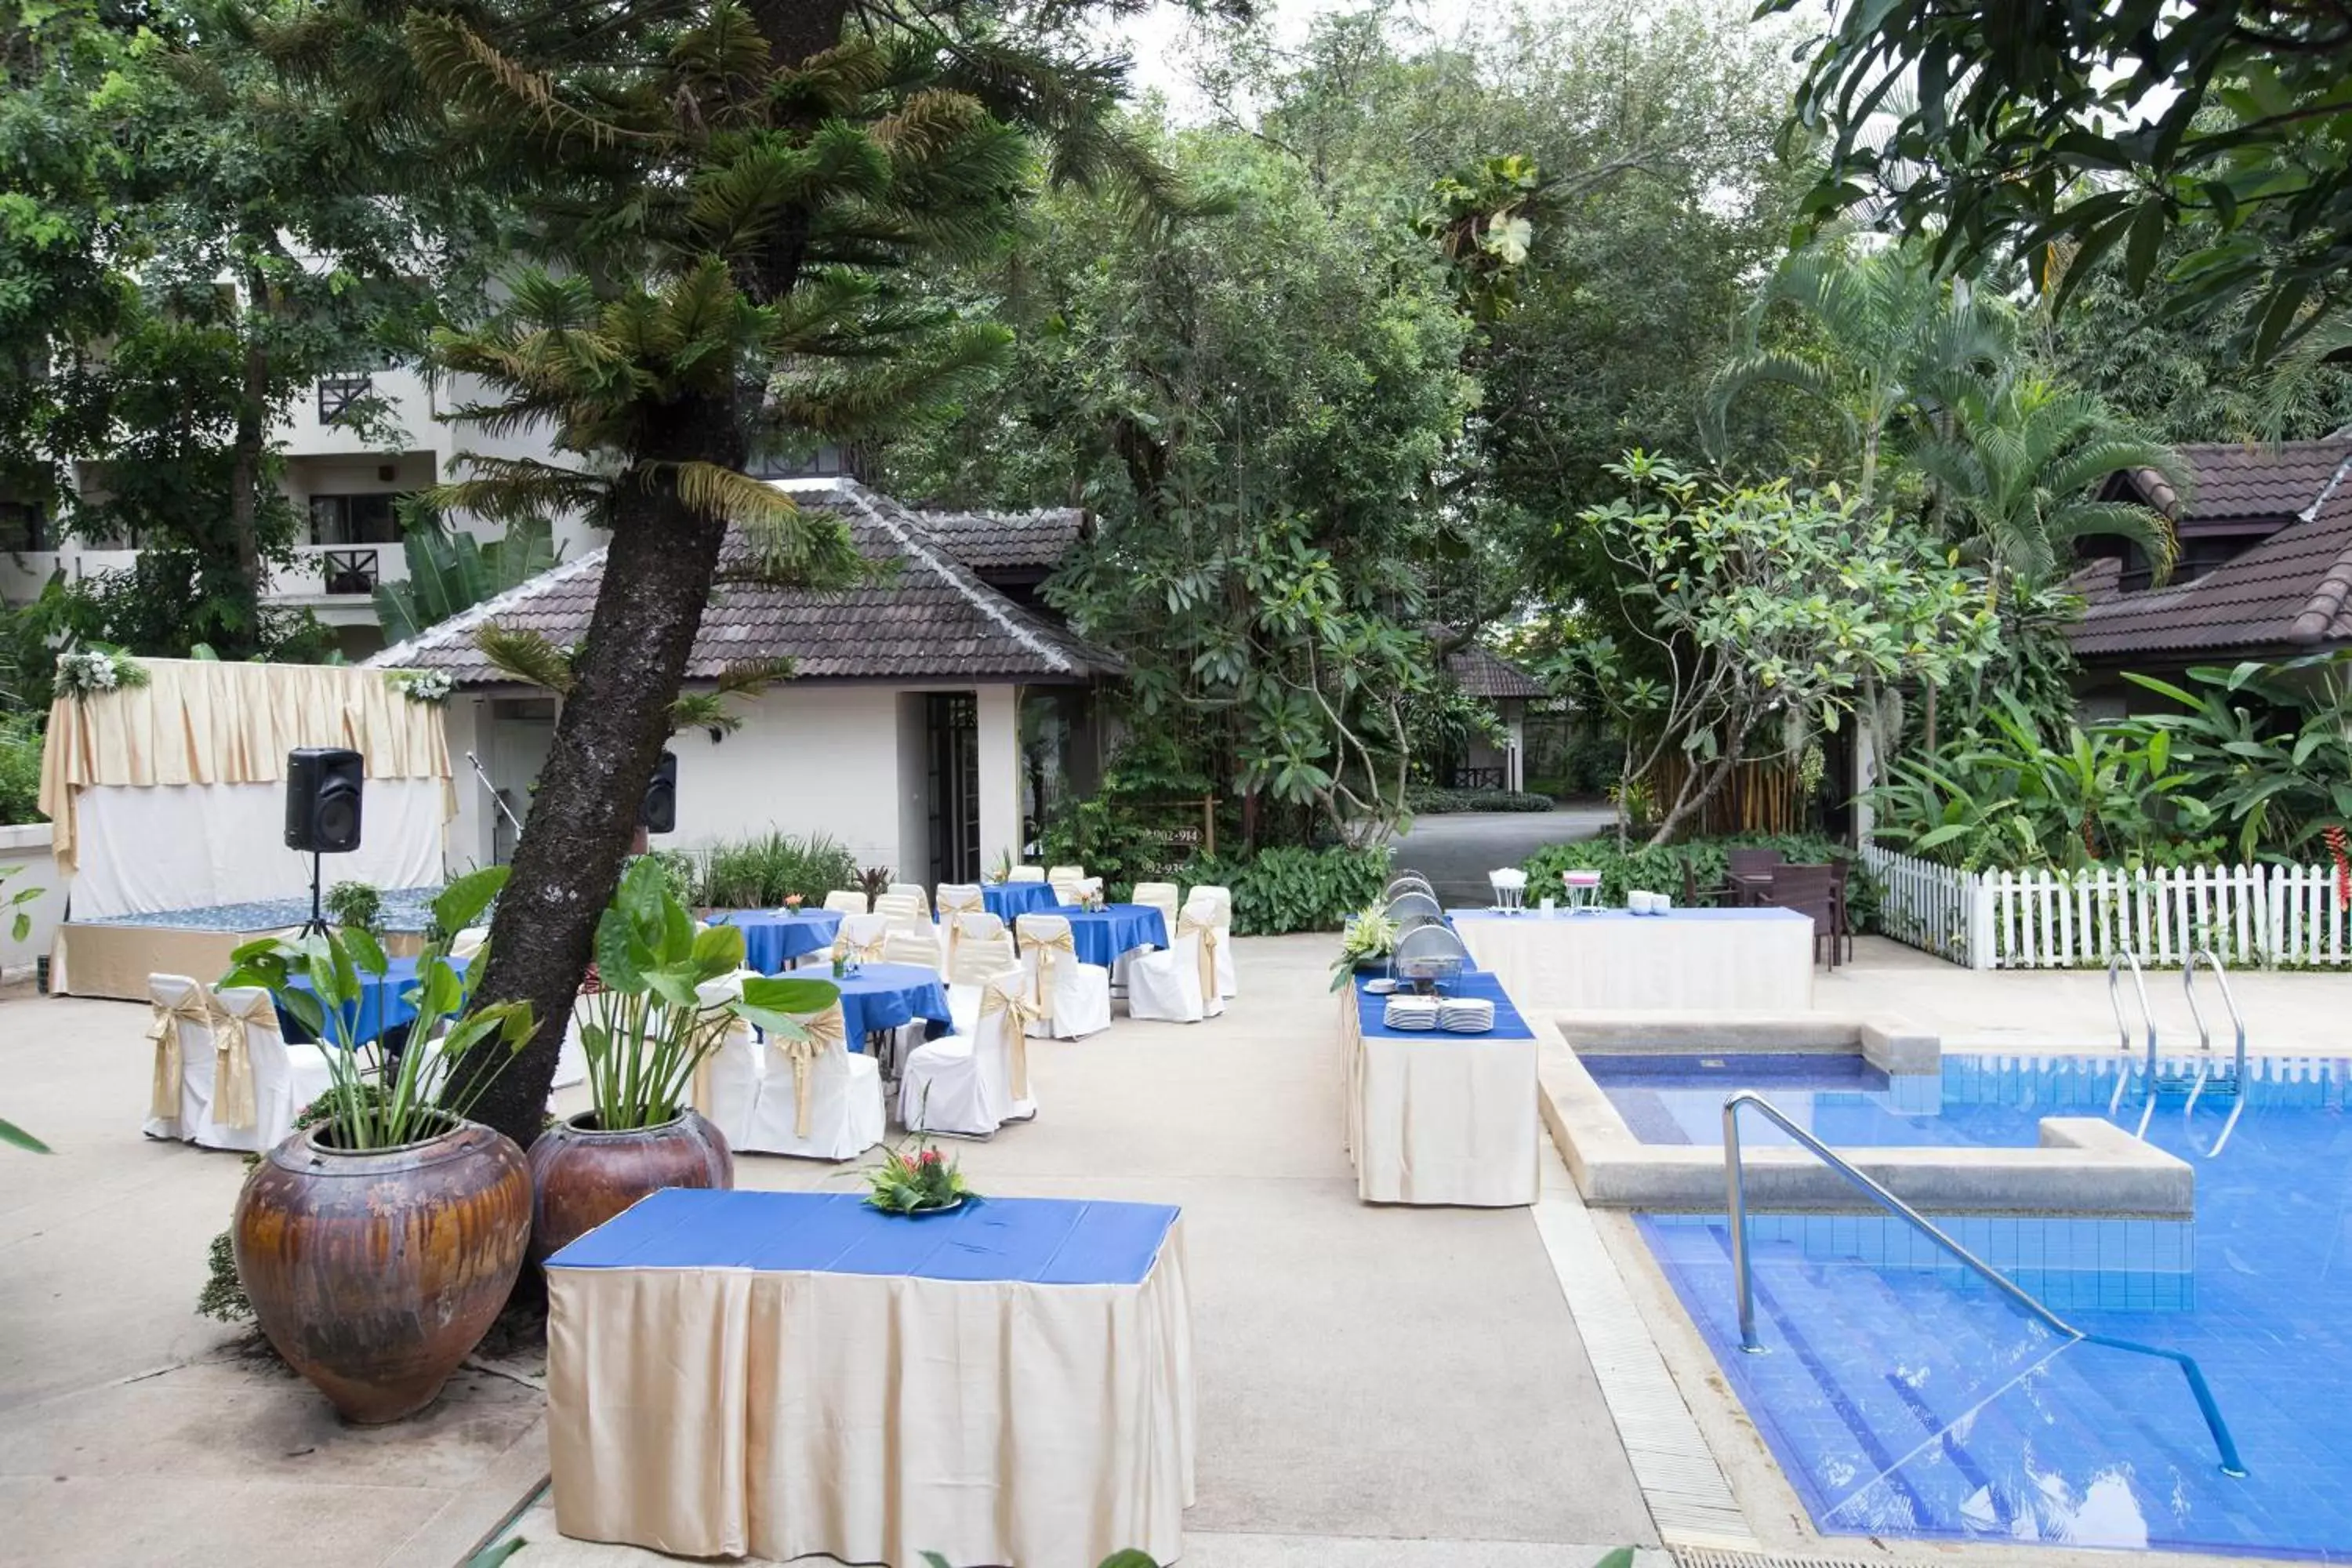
(645, 1030)
(378, 1243)
(356, 906)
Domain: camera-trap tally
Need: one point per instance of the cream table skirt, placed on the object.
(1438, 1118)
(873, 1416)
(1743, 961)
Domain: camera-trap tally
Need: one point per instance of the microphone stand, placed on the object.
(497, 799)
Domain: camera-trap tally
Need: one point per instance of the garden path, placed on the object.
(1456, 850)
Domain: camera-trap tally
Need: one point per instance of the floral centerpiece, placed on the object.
(428, 686)
(793, 903)
(1370, 937)
(95, 667)
(916, 1182)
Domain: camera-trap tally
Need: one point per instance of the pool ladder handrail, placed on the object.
(2205, 1038)
(1735, 1183)
(2123, 956)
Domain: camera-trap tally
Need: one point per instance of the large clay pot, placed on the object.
(581, 1175)
(375, 1272)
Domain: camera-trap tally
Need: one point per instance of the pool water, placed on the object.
(1902, 1397)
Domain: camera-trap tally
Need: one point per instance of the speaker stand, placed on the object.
(317, 924)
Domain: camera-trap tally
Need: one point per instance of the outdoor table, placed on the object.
(1101, 935)
(383, 1002)
(773, 938)
(880, 997)
(1746, 960)
(788, 1375)
(1440, 1118)
(1008, 901)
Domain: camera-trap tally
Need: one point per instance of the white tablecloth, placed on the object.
(719, 1411)
(1746, 960)
(1440, 1118)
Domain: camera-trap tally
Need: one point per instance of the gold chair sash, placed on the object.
(1047, 946)
(706, 1037)
(234, 1101)
(826, 1031)
(164, 1034)
(953, 907)
(861, 952)
(1191, 924)
(1019, 1015)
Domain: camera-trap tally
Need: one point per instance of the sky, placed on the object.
(1157, 40)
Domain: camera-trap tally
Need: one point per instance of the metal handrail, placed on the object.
(2125, 955)
(2205, 1038)
(1735, 1183)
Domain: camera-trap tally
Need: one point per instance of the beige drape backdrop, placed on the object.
(198, 722)
(720, 1412)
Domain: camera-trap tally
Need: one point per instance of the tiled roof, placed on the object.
(1008, 540)
(1482, 672)
(2289, 591)
(2235, 480)
(928, 618)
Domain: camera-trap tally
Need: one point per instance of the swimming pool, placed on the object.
(1899, 1404)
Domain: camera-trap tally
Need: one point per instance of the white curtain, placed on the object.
(150, 847)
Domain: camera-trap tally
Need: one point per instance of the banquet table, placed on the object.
(1440, 1118)
(773, 938)
(383, 1002)
(783, 1374)
(881, 996)
(1008, 901)
(1749, 960)
(1101, 935)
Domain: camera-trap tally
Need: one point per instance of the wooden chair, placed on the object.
(1841, 871)
(1809, 890)
(1746, 863)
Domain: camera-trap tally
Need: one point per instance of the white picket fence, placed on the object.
(2248, 915)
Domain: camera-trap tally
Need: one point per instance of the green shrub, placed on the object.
(1430, 800)
(757, 873)
(1660, 871)
(355, 905)
(1290, 889)
(1590, 764)
(20, 769)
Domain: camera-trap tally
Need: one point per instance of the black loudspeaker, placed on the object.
(657, 813)
(322, 799)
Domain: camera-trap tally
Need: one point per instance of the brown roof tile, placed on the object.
(927, 618)
(1482, 672)
(2236, 480)
(1008, 540)
(2290, 590)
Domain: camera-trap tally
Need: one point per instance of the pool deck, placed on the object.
(1379, 1388)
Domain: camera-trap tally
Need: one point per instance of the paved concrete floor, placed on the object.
(1376, 1385)
(1456, 850)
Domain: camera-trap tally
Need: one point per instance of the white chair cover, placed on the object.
(862, 938)
(905, 911)
(1067, 890)
(1072, 999)
(914, 890)
(920, 947)
(846, 901)
(982, 948)
(1160, 896)
(956, 901)
(180, 1090)
(1028, 874)
(727, 1083)
(816, 1098)
(1065, 873)
(1166, 985)
(259, 1082)
(971, 1084)
(1225, 943)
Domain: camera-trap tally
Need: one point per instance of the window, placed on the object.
(338, 393)
(355, 520)
(21, 527)
(825, 463)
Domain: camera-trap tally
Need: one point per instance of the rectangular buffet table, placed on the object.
(787, 1373)
(1708, 960)
(1440, 1118)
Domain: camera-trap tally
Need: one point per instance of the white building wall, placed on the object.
(998, 723)
(809, 759)
(25, 848)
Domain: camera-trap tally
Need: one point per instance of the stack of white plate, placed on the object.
(1407, 1012)
(1466, 1015)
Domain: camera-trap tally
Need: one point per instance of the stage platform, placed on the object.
(112, 958)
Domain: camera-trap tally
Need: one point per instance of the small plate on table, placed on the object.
(1380, 987)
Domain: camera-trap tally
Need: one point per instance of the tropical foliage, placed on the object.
(760, 873)
(1659, 868)
(450, 569)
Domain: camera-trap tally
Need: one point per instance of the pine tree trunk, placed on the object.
(657, 576)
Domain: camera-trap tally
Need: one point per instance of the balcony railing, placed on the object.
(348, 571)
(1474, 778)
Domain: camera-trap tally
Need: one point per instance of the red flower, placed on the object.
(2334, 835)
(930, 1156)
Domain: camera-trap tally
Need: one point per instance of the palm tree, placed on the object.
(2018, 470)
(1895, 344)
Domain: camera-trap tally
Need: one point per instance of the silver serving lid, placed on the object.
(1429, 952)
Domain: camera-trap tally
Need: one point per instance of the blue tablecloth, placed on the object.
(887, 995)
(1036, 1241)
(1508, 1025)
(771, 940)
(1008, 901)
(383, 1004)
(1100, 938)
